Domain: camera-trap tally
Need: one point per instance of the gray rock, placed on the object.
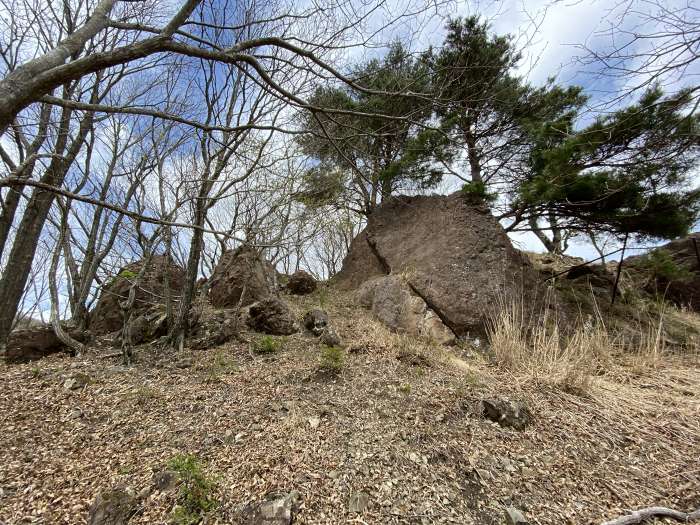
(329, 337)
(275, 509)
(214, 327)
(506, 413)
(315, 321)
(358, 502)
(393, 302)
(184, 363)
(164, 480)
(113, 507)
(515, 517)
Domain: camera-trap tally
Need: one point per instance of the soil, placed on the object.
(405, 432)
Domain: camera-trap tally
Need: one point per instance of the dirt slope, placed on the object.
(400, 423)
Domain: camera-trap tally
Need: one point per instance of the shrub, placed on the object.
(194, 496)
(127, 274)
(332, 359)
(661, 264)
(267, 345)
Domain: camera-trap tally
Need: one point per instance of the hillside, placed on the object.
(395, 436)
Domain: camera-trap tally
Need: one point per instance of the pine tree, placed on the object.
(381, 145)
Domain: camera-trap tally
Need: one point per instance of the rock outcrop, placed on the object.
(162, 271)
(392, 301)
(673, 271)
(454, 256)
(241, 278)
(28, 344)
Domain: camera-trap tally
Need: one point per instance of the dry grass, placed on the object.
(541, 349)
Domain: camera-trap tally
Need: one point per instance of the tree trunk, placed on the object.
(473, 156)
(546, 241)
(181, 324)
(62, 335)
(19, 263)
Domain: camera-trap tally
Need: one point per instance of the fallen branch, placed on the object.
(108, 356)
(642, 515)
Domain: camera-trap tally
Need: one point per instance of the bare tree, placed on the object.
(646, 43)
(86, 52)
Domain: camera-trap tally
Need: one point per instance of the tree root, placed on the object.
(642, 515)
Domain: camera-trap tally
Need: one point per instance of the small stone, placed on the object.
(527, 472)
(358, 502)
(314, 422)
(113, 507)
(515, 517)
(275, 509)
(76, 381)
(184, 363)
(484, 474)
(506, 414)
(329, 337)
(315, 321)
(164, 480)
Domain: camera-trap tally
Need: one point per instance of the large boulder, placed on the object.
(392, 301)
(160, 274)
(241, 277)
(272, 316)
(454, 255)
(28, 344)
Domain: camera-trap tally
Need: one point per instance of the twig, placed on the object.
(107, 356)
(639, 516)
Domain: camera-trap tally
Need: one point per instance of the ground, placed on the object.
(400, 423)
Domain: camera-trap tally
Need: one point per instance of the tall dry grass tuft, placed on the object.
(533, 345)
(649, 348)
